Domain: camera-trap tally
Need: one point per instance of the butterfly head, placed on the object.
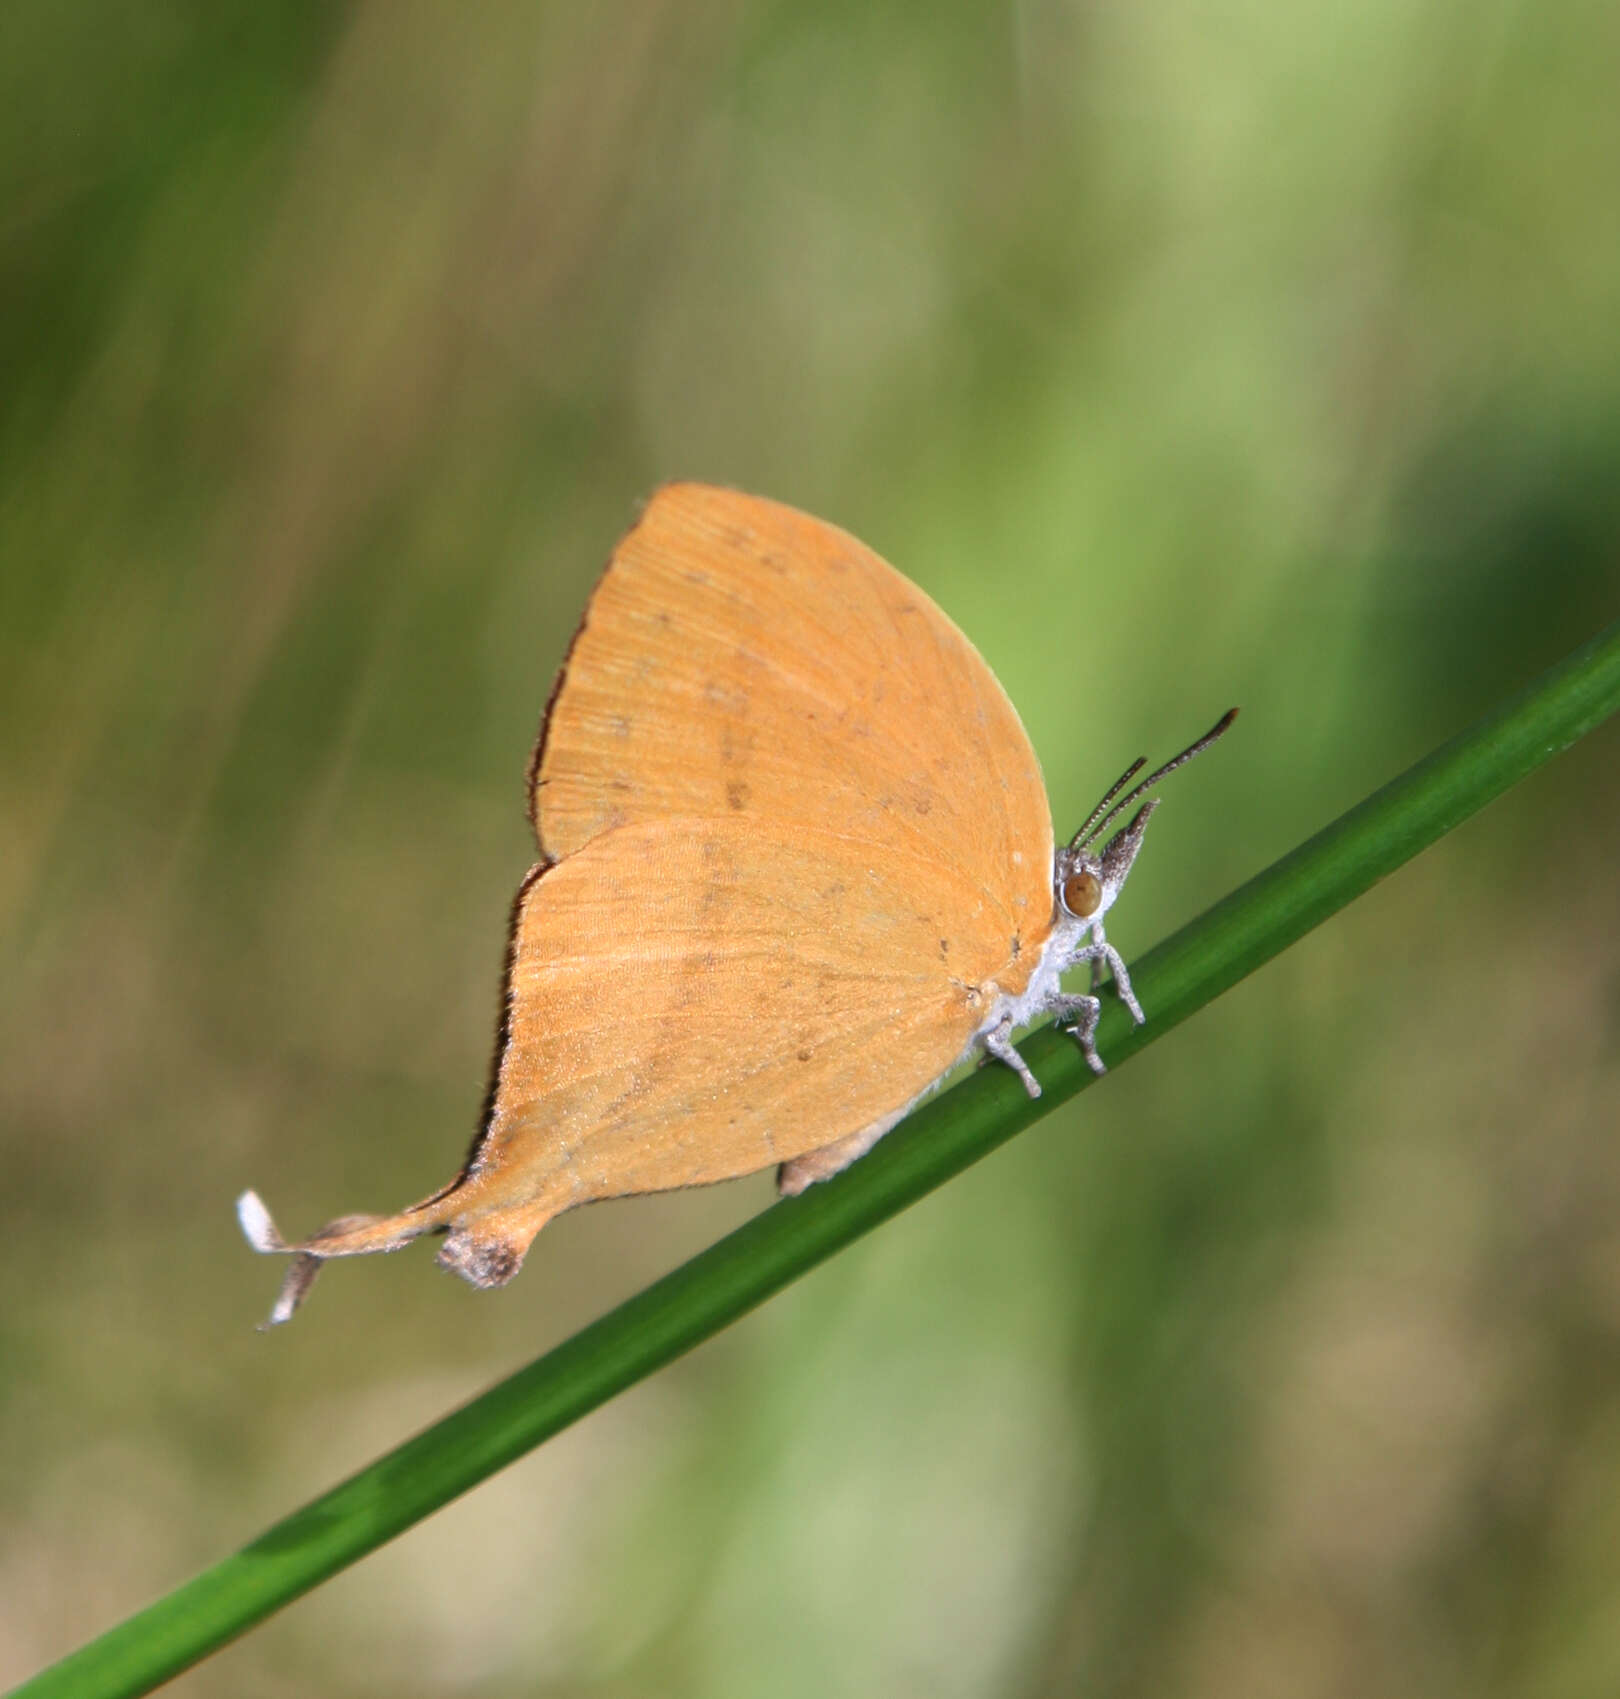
(1086, 883)
(1086, 880)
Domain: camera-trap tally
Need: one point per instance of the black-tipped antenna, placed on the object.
(1113, 790)
(1108, 809)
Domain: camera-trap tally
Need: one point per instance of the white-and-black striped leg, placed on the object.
(1100, 952)
(999, 1044)
(1084, 1012)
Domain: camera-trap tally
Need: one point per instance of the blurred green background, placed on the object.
(1188, 355)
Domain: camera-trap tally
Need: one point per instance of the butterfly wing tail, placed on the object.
(348, 1236)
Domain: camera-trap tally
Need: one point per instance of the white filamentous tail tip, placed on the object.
(261, 1234)
(257, 1227)
(295, 1285)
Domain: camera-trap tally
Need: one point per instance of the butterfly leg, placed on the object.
(998, 1042)
(1084, 1012)
(1100, 953)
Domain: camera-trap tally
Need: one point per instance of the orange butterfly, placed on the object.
(797, 864)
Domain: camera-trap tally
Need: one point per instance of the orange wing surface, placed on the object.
(691, 1005)
(683, 1008)
(739, 658)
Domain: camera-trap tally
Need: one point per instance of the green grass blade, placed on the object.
(742, 1270)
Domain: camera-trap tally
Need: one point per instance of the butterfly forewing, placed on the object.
(739, 658)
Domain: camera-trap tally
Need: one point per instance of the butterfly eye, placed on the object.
(1082, 895)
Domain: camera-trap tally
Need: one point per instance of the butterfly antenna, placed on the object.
(1108, 809)
(1102, 807)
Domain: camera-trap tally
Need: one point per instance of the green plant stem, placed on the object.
(748, 1266)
